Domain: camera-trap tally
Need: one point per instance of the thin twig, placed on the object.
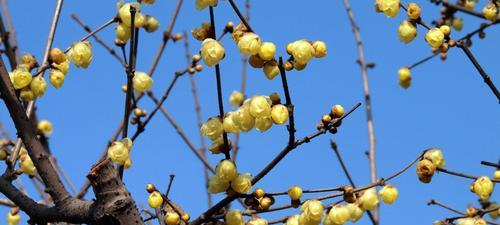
(242, 18)
(366, 91)
(463, 175)
(456, 7)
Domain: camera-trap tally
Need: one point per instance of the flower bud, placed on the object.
(215, 185)
(218, 146)
(457, 24)
(118, 152)
(257, 221)
(26, 165)
(407, 31)
(243, 119)
(212, 128)
(368, 199)
(279, 114)
(226, 170)
(155, 200)
(312, 211)
(127, 164)
(319, 49)
(404, 77)
(288, 66)
(124, 13)
(260, 107)
(295, 192)
(435, 156)
(339, 214)
(122, 32)
(271, 69)
(27, 95)
(466, 221)
(445, 29)
(148, 2)
(63, 67)
(242, 183)
(470, 4)
(483, 187)
(298, 66)
(434, 37)
(265, 203)
(203, 32)
(249, 44)
(302, 51)
(139, 20)
(13, 218)
(234, 217)
(229, 125)
(56, 78)
(263, 123)
(20, 78)
(389, 7)
(151, 24)
(81, 54)
(355, 212)
(172, 218)
(480, 221)
(490, 11)
(38, 86)
(256, 62)
(414, 11)
(292, 220)
(496, 175)
(212, 52)
(236, 98)
(57, 56)
(389, 194)
(267, 51)
(201, 4)
(425, 170)
(142, 82)
(337, 111)
(45, 127)
(495, 214)
(3, 154)
(28, 60)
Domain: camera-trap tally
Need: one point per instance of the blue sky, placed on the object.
(447, 106)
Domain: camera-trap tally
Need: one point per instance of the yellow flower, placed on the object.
(57, 56)
(172, 218)
(3, 154)
(339, 214)
(218, 146)
(445, 29)
(139, 20)
(26, 165)
(236, 98)
(355, 212)
(63, 67)
(407, 31)
(470, 4)
(152, 24)
(466, 221)
(212, 128)
(368, 199)
(312, 211)
(260, 106)
(319, 49)
(155, 200)
(414, 11)
(201, 4)
(226, 170)
(229, 125)
(292, 220)
(122, 32)
(295, 192)
(20, 78)
(242, 183)
(425, 170)
(389, 7)
(496, 175)
(243, 119)
(490, 11)
(271, 69)
(389, 194)
(217, 186)
(118, 152)
(457, 23)
(45, 127)
(127, 164)
(124, 13)
(302, 51)
(13, 219)
(483, 187)
(27, 95)
(279, 114)
(257, 221)
(249, 44)
(337, 111)
(267, 51)
(495, 214)
(263, 123)
(56, 78)
(38, 86)
(27, 60)
(256, 62)
(234, 217)
(404, 77)
(81, 54)
(435, 156)
(212, 52)
(142, 82)
(434, 37)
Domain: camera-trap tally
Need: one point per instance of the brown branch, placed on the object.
(289, 104)
(12, 30)
(214, 209)
(366, 91)
(240, 15)
(456, 7)
(462, 175)
(4, 132)
(434, 202)
(496, 165)
(5, 36)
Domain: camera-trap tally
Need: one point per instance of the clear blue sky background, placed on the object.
(448, 105)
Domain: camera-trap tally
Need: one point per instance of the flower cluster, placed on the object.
(332, 120)
(227, 176)
(432, 159)
(156, 201)
(259, 200)
(123, 27)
